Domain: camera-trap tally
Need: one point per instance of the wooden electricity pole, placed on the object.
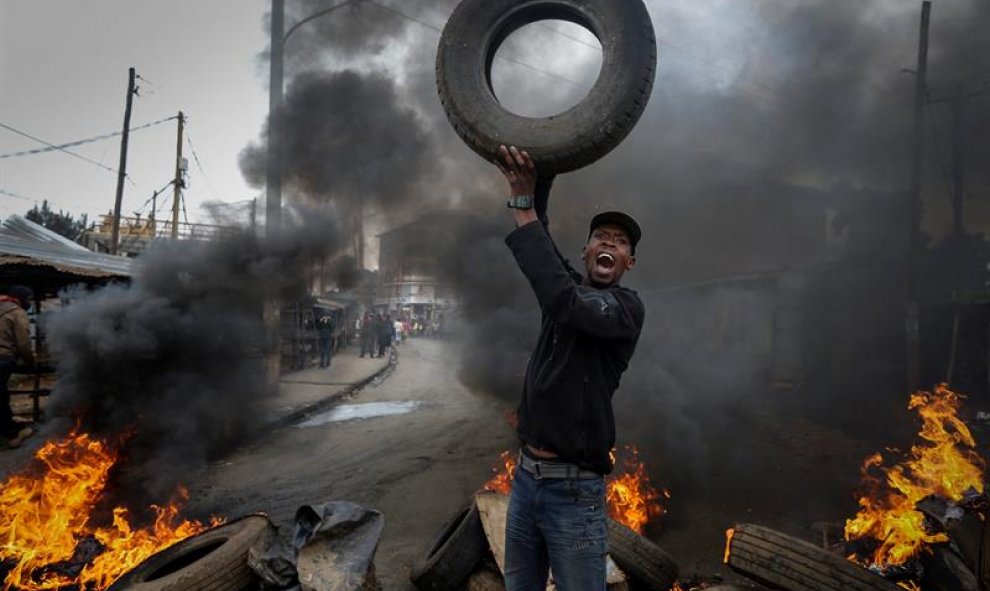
(177, 183)
(911, 324)
(273, 171)
(122, 169)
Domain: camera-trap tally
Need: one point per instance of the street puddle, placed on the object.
(352, 412)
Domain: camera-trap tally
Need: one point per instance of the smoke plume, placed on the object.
(347, 137)
(173, 362)
(777, 141)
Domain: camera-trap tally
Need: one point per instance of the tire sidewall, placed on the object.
(571, 139)
(230, 533)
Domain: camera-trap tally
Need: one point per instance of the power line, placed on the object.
(73, 154)
(199, 164)
(14, 195)
(36, 200)
(88, 140)
(567, 36)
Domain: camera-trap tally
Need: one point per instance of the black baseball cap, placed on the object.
(22, 293)
(620, 219)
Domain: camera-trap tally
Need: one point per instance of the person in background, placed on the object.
(367, 335)
(385, 335)
(324, 328)
(15, 345)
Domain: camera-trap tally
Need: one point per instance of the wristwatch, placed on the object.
(520, 202)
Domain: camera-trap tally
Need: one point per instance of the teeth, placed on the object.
(606, 257)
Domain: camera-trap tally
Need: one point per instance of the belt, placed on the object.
(541, 469)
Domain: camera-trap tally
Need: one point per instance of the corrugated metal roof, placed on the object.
(23, 242)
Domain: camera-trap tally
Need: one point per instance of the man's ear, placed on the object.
(632, 262)
(584, 251)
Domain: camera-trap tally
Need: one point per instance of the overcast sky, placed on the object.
(778, 84)
(63, 70)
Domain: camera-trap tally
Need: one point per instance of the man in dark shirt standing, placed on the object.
(588, 333)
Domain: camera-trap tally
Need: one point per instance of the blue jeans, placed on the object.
(557, 524)
(326, 347)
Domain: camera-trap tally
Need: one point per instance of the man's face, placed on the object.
(608, 255)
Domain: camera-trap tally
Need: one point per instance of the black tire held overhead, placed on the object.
(785, 562)
(453, 554)
(641, 560)
(215, 560)
(576, 137)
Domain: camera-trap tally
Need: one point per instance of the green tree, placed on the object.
(61, 223)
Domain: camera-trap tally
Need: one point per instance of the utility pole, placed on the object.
(911, 324)
(154, 208)
(273, 180)
(122, 169)
(177, 183)
(272, 313)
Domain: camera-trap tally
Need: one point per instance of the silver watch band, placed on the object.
(520, 202)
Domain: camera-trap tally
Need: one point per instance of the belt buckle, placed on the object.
(539, 471)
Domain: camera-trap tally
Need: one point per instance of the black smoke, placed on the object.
(348, 138)
(777, 141)
(173, 363)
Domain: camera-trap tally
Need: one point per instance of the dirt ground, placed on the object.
(417, 468)
(774, 466)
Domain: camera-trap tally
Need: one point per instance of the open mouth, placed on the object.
(605, 260)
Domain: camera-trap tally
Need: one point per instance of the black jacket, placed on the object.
(587, 337)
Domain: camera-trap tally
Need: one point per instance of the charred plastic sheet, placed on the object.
(332, 549)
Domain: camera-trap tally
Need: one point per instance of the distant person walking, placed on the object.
(368, 335)
(15, 345)
(386, 332)
(325, 328)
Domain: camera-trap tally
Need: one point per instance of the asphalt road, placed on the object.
(417, 468)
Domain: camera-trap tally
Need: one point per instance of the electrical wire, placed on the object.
(88, 140)
(199, 164)
(37, 200)
(73, 154)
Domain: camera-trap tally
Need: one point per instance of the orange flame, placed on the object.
(729, 534)
(943, 463)
(631, 498)
(502, 481)
(45, 513)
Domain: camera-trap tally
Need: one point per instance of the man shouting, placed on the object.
(588, 333)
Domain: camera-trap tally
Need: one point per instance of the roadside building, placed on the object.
(412, 285)
(48, 263)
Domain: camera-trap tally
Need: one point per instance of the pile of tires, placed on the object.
(461, 545)
(215, 560)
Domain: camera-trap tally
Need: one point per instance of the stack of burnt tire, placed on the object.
(785, 562)
(460, 557)
(215, 560)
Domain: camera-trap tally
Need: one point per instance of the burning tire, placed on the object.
(576, 137)
(785, 562)
(642, 560)
(215, 560)
(454, 553)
